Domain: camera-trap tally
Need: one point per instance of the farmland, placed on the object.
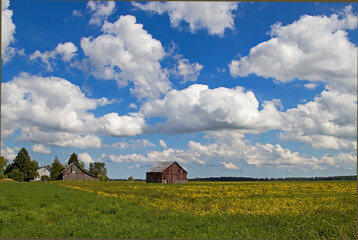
(243, 210)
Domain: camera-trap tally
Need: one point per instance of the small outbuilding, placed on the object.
(166, 172)
(75, 172)
(42, 171)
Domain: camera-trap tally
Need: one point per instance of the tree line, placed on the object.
(23, 168)
(243, 179)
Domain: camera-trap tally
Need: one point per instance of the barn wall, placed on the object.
(153, 177)
(73, 173)
(174, 174)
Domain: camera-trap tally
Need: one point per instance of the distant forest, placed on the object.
(242, 179)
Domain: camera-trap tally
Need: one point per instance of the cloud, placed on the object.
(100, 11)
(125, 52)
(232, 146)
(198, 108)
(214, 17)
(7, 33)
(229, 165)
(66, 50)
(328, 122)
(85, 157)
(317, 49)
(314, 48)
(8, 153)
(134, 166)
(178, 155)
(39, 148)
(133, 144)
(55, 112)
(163, 144)
(76, 13)
(188, 71)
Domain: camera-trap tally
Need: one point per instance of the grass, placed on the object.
(138, 210)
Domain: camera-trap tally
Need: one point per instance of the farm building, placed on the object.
(166, 172)
(42, 171)
(74, 172)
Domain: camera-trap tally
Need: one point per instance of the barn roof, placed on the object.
(79, 168)
(161, 166)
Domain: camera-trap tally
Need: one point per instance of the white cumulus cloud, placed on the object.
(55, 111)
(65, 50)
(133, 144)
(188, 71)
(125, 52)
(85, 157)
(198, 108)
(229, 165)
(213, 16)
(7, 33)
(313, 48)
(39, 148)
(163, 144)
(100, 11)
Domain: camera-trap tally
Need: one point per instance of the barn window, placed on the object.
(179, 171)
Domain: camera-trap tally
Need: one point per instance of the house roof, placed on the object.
(45, 168)
(161, 166)
(79, 168)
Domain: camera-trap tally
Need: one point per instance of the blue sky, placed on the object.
(225, 89)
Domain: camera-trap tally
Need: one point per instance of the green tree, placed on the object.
(23, 164)
(16, 175)
(56, 169)
(74, 158)
(131, 179)
(45, 178)
(99, 170)
(3, 165)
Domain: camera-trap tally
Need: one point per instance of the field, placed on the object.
(241, 210)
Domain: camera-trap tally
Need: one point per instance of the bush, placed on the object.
(102, 178)
(16, 175)
(45, 178)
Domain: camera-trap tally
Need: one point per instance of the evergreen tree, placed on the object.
(56, 169)
(73, 158)
(23, 164)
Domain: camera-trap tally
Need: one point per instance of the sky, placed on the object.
(223, 88)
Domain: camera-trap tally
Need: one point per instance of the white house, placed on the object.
(42, 171)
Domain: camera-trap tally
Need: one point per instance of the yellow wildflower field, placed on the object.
(232, 198)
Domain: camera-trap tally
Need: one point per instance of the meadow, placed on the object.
(240, 210)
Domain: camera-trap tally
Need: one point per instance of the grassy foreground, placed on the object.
(265, 210)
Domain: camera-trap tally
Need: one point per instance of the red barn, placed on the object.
(166, 172)
(74, 172)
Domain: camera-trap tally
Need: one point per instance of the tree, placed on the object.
(74, 158)
(23, 164)
(3, 165)
(45, 178)
(56, 169)
(99, 170)
(131, 179)
(16, 175)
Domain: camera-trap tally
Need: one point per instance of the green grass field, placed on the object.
(261, 210)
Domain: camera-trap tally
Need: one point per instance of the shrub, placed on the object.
(45, 178)
(16, 175)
